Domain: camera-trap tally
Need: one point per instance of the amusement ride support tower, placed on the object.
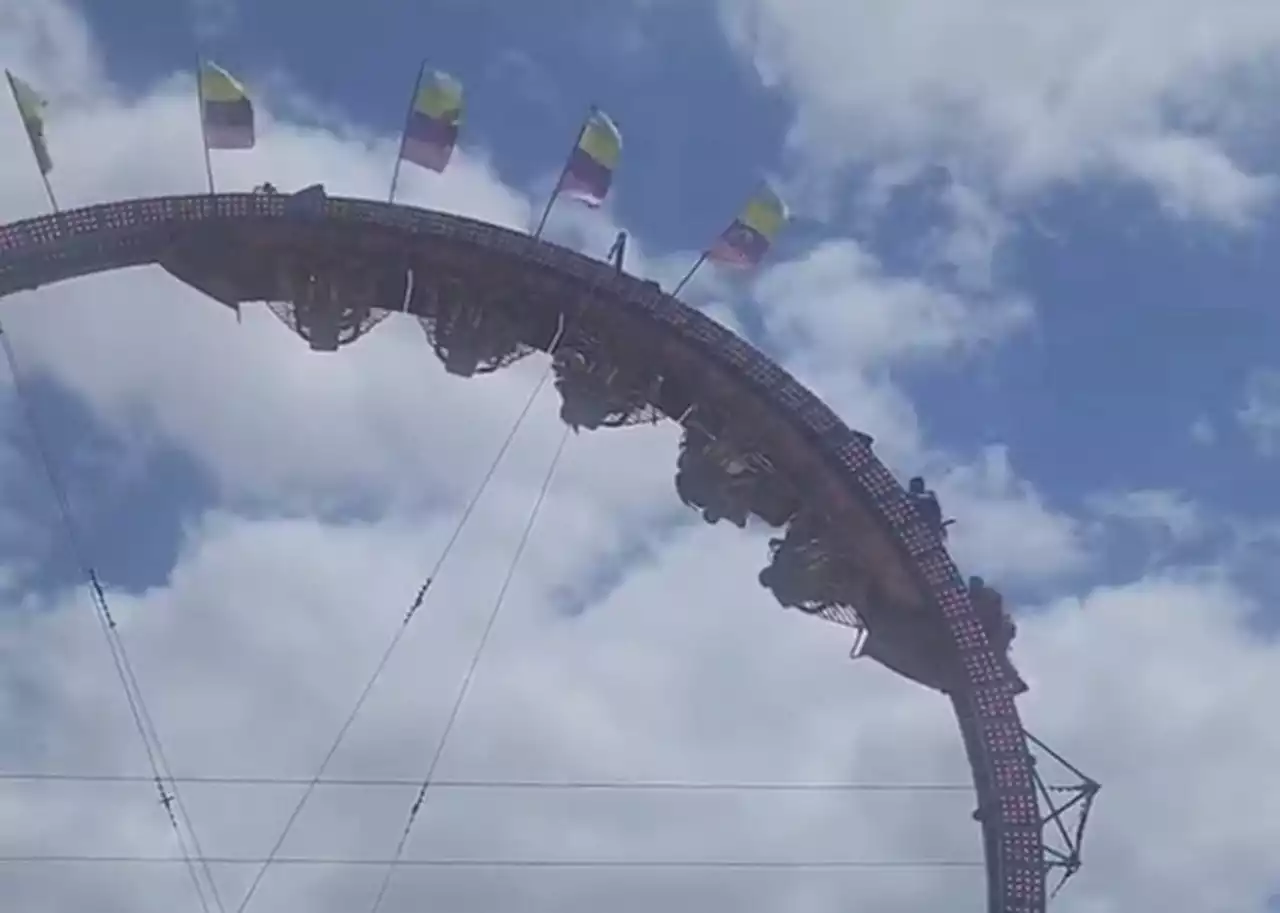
(333, 267)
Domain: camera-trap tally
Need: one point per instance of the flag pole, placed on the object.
(618, 253)
(404, 135)
(555, 193)
(204, 130)
(689, 275)
(48, 191)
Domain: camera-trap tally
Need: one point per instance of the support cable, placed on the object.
(498, 603)
(496, 863)
(412, 612)
(536, 785)
(166, 786)
(381, 667)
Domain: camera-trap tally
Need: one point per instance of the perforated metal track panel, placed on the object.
(116, 235)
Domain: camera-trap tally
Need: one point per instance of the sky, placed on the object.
(1029, 255)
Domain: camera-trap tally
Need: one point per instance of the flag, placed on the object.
(225, 110)
(747, 240)
(307, 202)
(434, 122)
(31, 109)
(591, 165)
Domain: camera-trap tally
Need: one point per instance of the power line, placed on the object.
(395, 640)
(526, 785)
(90, 859)
(498, 603)
(142, 719)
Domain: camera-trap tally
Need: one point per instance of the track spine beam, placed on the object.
(807, 435)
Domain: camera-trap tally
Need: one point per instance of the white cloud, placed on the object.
(837, 303)
(1004, 526)
(1170, 515)
(1193, 177)
(643, 686)
(1160, 679)
(1024, 95)
(253, 647)
(1203, 431)
(1259, 416)
(843, 326)
(970, 244)
(212, 19)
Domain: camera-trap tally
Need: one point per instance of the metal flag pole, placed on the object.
(404, 135)
(48, 190)
(204, 129)
(555, 192)
(618, 253)
(689, 275)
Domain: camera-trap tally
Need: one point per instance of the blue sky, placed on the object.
(1144, 324)
(697, 134)
(1032, 256)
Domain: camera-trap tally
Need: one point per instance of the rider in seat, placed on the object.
(711, 478)
(796, 573)
(927, 503)
(998, 624)
(733, 482)
(585, 399)
(458, 340)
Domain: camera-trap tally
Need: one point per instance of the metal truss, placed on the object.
(1064, 812)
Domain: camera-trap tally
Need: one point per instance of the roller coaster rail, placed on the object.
(855, 490)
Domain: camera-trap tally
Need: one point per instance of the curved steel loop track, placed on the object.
(836, 463)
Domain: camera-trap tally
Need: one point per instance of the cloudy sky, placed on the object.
(1030, 255)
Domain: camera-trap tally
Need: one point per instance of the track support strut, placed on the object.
(1064, 813)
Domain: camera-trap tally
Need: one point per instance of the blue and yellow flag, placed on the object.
(589, 173)
(225, 110)
(31, 109)
(434, 122)
(748, 239)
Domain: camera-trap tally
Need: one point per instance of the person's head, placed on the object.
(916, 485)
(976, 583)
